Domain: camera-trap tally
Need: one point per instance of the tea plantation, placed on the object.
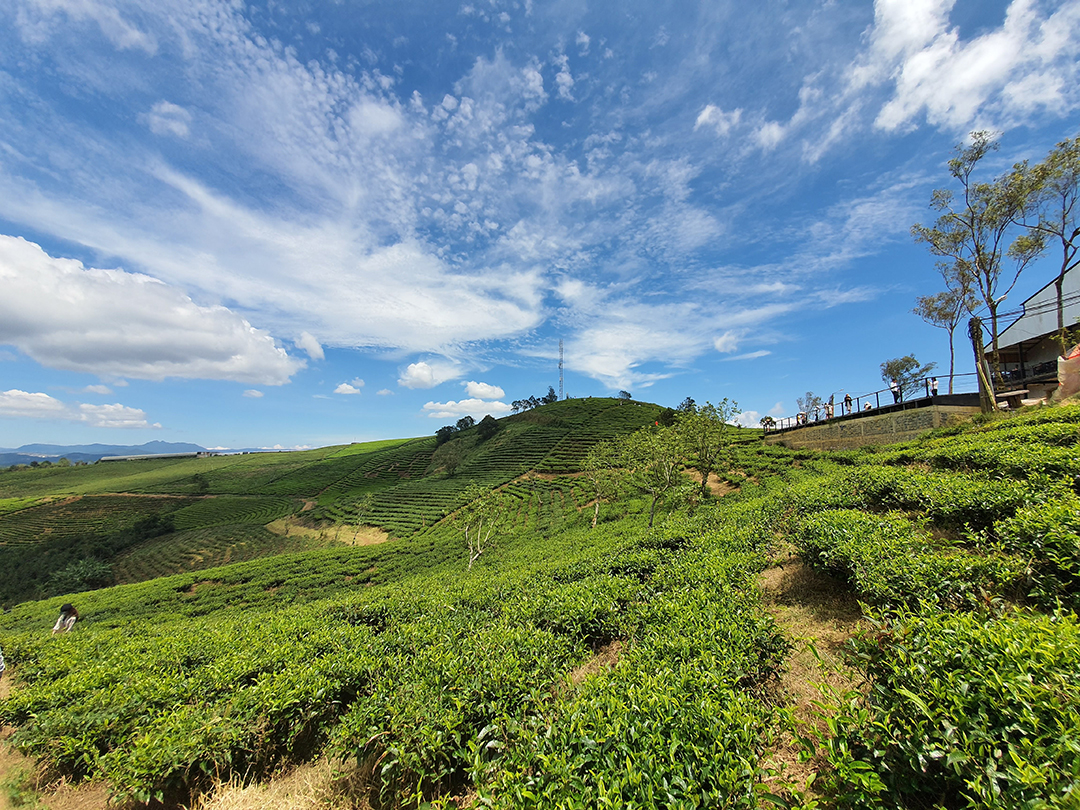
(570, 667)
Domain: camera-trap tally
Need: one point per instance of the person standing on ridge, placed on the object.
(897, 394)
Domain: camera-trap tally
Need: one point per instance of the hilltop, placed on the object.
(609, 666)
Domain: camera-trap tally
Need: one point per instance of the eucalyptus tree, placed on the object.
(973, 230)
(706, 436)
(1055, 187)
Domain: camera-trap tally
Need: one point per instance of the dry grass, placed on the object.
(314, 786)
(819, 614)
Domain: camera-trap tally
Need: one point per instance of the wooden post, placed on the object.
(986, 389)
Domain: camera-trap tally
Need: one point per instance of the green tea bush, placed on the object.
(1046, 536)
(974, 710)
(891, 560)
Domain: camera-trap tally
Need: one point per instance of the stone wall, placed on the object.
(859, 430)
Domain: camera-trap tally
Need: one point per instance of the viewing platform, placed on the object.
(898, 422)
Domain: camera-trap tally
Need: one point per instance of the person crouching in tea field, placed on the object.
(68, 615)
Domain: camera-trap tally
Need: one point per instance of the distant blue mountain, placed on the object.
(89, 452)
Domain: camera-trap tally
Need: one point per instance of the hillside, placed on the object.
(616, 666)
(137, 520)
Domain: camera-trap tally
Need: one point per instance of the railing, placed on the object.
(1013, 373)
(854, 405)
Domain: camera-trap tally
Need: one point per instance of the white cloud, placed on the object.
(722, 122)
(727, 342)
(114, 416)
(750, 355)
(26, 405)
(309, 344)
(384, 392)
(166, 118)
(352, 387)
(427, 375)
(582, 41)
(955, 82)
(253, 393)
(563, 79)
(480, 390)
(113, 323)
(97, 389)
(476, 408)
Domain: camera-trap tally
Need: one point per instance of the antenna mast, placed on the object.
(560, 369)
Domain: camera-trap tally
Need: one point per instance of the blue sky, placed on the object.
(296, 224)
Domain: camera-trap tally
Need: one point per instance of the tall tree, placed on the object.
(945, 310)
(705, 436)
(1055, 186)
(973, 230)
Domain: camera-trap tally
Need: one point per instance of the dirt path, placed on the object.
(816, 610)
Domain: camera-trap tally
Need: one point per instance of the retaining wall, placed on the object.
(860, 430)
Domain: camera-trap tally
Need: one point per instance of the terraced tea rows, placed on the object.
(233, 509)
(88, 515)
(198, 549)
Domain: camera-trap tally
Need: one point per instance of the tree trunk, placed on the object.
(986, 390)
(952, 357)
(596, 512)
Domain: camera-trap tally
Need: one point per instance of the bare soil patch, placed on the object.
(341, 533)
(606, 658)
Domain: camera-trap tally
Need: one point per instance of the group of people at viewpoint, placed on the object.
(894, 386)
(68, 616)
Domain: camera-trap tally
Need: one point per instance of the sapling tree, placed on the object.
(705, 436)
(651, 459)
(600, 467)
(809, 403)
(480, 519)
(945, 310)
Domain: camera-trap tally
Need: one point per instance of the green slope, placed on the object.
(619, 666)
(53, 519)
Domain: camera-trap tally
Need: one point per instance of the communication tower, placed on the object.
(560, 369)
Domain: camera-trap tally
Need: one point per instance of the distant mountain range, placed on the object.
(89, 452)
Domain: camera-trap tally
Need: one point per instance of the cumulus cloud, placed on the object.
(253, 393)
(384, 392)
(29, 405)
(427, 375)
(476, 408)
(114, 323)
(722, 122)
(727, 342)
(352, 387)
(309, 344)
(481, 390)
(98, 389)
(166, 118)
